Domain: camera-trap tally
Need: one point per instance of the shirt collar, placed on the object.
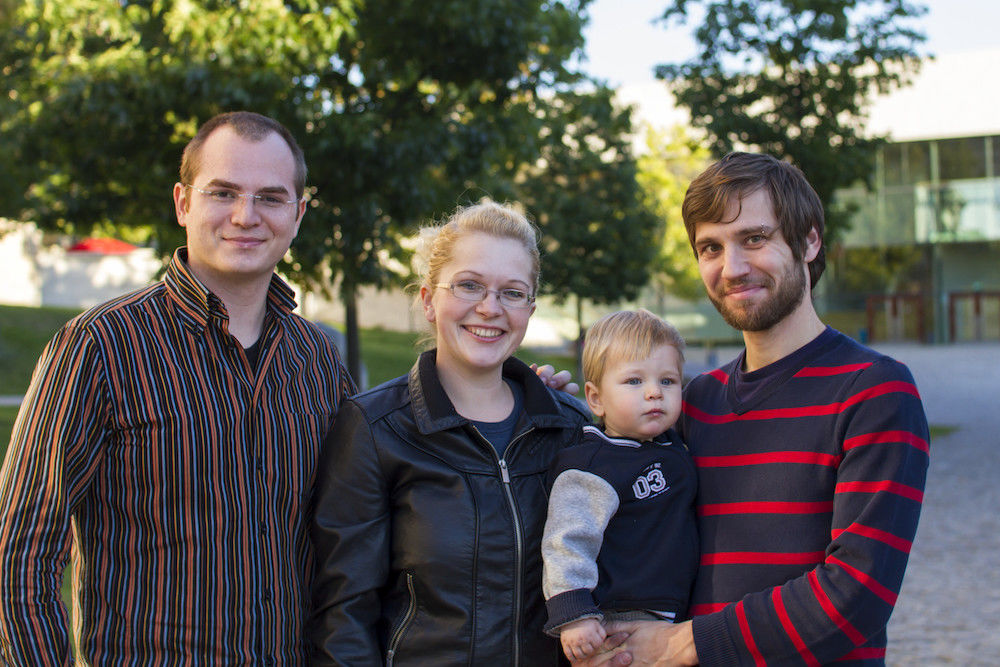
(201, 305)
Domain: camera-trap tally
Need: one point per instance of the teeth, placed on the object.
(484, 333)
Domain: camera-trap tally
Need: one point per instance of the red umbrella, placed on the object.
(103, 246)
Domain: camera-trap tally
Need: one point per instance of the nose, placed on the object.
(734, 262)
(653, 390)
(244, 212)
(489, 304)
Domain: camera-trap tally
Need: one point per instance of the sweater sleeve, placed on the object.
(831, 611)
(580, 506)
(53, 453)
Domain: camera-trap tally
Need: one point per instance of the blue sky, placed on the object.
(623, 46)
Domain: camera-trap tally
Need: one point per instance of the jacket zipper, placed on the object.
(519, 542)
(518, 537)
(411, 610)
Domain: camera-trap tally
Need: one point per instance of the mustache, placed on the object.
(730, 285)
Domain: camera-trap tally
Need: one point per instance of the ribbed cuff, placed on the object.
(712, 641)
(568, 607)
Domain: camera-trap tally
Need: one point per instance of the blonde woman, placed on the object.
(430, 494)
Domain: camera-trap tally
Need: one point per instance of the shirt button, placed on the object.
(267, 596)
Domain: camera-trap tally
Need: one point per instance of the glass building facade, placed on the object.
(923, 251)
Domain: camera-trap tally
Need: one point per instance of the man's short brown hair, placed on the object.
(248, 125)
(796, 205)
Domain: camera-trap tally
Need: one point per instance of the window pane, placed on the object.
(918, 162)
(962, 158)
(893, 155)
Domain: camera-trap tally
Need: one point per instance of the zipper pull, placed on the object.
(503, 472)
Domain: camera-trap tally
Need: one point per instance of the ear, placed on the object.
(426, 294)
(593, 395)
(181, 203)
(813, 243)
(298, 220)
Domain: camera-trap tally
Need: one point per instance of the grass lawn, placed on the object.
(7, 415)
(23, 333)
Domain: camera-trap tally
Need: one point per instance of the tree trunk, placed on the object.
(581, 332)
(350, 296)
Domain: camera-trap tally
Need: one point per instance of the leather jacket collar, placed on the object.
(433, 410)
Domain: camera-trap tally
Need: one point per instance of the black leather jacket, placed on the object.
(427, 542)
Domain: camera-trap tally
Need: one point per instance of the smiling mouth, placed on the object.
(484, 332)
(245, 241)
(740, 290)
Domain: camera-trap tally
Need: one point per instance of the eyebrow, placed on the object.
(218, 182)
(469, 274)
(744, 230)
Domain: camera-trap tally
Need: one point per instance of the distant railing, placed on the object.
(974, 315)
(895, 317)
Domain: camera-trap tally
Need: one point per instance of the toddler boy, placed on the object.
(620, 541)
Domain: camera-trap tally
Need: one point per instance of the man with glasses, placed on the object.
(170, 437)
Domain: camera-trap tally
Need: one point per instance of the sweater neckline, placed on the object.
(745, 389)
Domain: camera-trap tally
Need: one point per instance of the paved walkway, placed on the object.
(949, 608)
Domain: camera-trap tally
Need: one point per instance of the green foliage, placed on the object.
(400, 105)
(794, 78)
(421, 105)
(598, 238)
(108, 93)
(879, 269)
(672, 160)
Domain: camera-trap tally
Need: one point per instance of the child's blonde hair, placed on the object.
(626, 335)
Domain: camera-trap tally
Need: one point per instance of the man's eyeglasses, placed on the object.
(226, 197)
(470, 290)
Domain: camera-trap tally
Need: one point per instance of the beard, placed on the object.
(761, 316)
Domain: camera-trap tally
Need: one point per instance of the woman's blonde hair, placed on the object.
(505, 221)
(626, 335)
(437, 242)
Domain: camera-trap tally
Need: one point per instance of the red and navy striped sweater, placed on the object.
(811, 476)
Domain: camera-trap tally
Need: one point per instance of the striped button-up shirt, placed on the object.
(179, 475)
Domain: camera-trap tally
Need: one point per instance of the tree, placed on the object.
(673, 158)
(429, 100)
(399, 104)
(793, 78)
(599, 240)
(109, 92)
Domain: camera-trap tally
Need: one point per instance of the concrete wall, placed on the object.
(33, 273)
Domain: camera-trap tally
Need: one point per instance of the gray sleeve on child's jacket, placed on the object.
(580, 506)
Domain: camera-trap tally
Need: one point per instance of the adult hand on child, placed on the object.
(658, 643)
(561, 381)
